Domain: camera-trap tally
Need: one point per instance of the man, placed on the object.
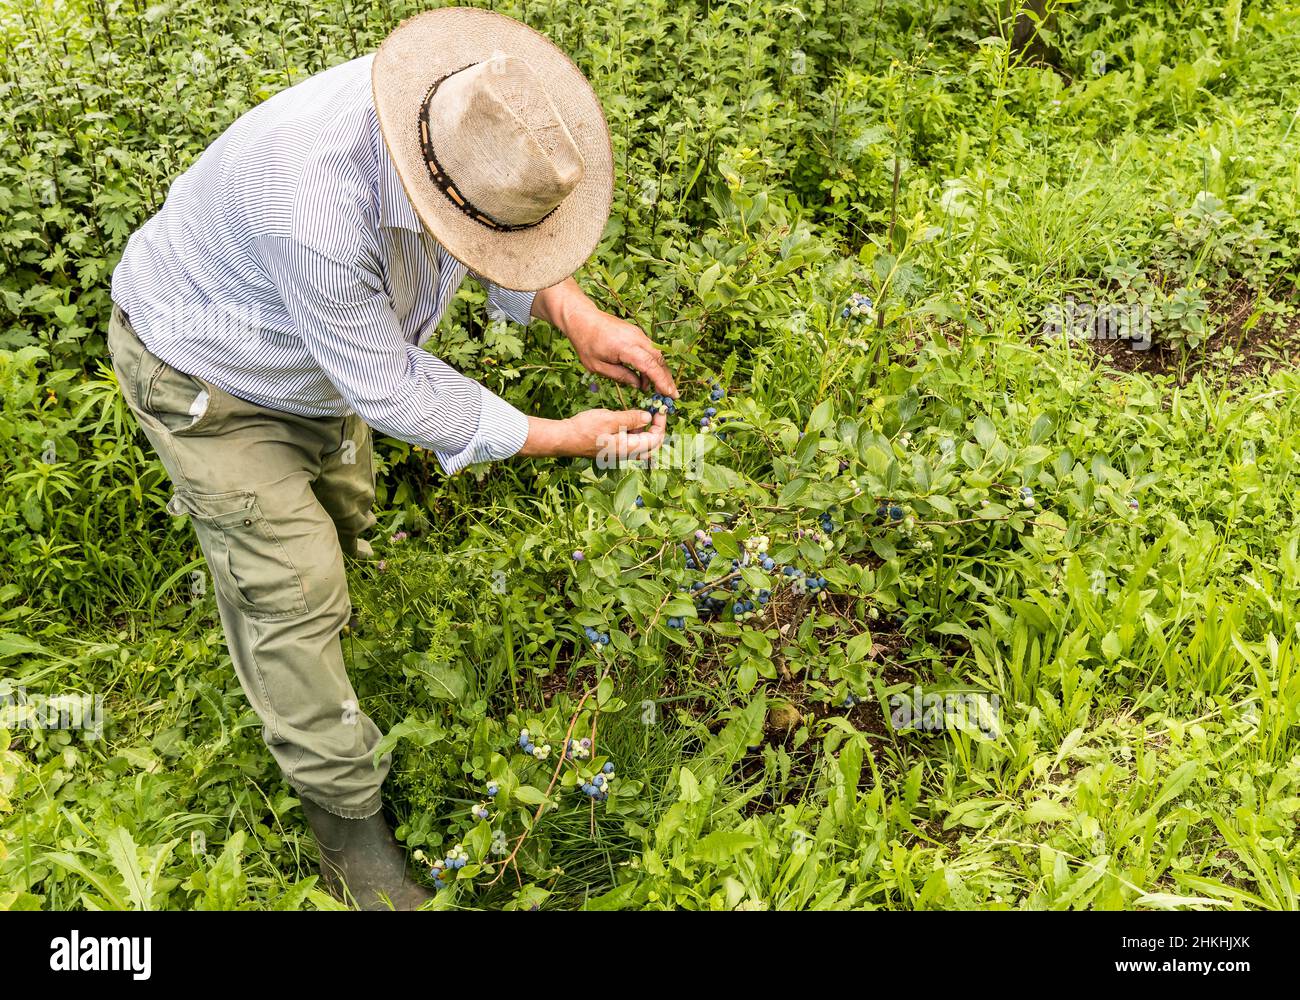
(277, 305)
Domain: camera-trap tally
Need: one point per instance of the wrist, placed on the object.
(565, 307)
(546, 438)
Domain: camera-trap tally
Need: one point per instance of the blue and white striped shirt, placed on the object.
(288, 267)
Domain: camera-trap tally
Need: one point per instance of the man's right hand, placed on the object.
(610, 434)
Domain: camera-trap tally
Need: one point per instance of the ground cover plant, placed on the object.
(944, 594)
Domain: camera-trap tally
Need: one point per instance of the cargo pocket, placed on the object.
(180, 402)
(251, 564)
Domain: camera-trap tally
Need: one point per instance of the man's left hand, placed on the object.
(606, 345)
(612, 347)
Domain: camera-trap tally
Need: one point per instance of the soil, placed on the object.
(1271, 343)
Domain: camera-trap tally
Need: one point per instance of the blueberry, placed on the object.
(609, 767)
(640, 502)
(578, 556)
(716, 394)
(604, 639)
(710, 411)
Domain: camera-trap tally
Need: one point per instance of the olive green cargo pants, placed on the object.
(276, 501)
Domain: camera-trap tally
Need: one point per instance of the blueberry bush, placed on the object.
(923, 604)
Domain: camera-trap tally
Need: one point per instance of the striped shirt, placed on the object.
(288, 267)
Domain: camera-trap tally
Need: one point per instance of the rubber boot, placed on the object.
(361, 862)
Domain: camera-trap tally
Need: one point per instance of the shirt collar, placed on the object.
(395, 209)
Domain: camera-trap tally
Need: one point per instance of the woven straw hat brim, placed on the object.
(429, 46)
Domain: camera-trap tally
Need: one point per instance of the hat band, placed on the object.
(442, 180)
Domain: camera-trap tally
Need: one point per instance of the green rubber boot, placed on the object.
(361, 862)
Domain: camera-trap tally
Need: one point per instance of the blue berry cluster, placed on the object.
(816, 537)
(890, 512)
(801, 583)
(1027, 496)
(858, 309)
(578, 750)
(706, 605)
(596, 637)
(457, 857)
(598, 788)
(703, 549)
(744, 605)
(660, 403)
(534, 750)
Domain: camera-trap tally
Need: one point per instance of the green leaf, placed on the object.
(821, 416)
(858, 648)
(1046, 811)
(722, 846)
(122, 852)
(529, 795)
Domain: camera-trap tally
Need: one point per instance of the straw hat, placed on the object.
(499, 141)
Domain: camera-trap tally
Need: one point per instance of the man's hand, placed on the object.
(606, 345)
(613, 435)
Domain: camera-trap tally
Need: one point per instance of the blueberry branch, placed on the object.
(559, 767)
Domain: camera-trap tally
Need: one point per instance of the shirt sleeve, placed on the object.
(348, 326)
(517, 306)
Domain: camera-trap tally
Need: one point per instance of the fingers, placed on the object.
(618, 373)
(623, 437)
(648, 360)
(627, 420)
(646, 442)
